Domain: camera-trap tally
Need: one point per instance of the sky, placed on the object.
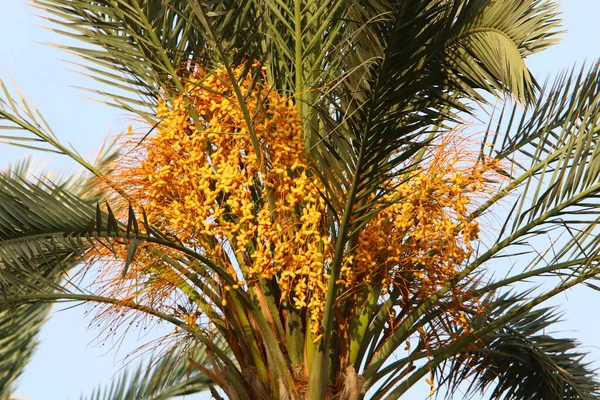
(69, 361)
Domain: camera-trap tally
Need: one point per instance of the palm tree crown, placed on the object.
(303, 200)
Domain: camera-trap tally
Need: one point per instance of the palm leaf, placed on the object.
(39, 264)
(492, 39)
(19, 328)
(560, 187)
(522, 361)
(120, 39)
(36, 221)
(139, 47)
(29, 129)
(160, 378)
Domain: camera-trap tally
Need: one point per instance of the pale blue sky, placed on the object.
(68, 362)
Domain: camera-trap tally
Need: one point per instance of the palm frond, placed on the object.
(490, 31)
(19, 328)
(138, 47)
(519, 307)
(160, 378)
(36, 221)
(122, 45)
(398, 79)
(26, 265)
(28, 128)
(560, 187)
(522, 361)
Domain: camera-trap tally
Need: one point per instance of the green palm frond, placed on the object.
(29, 261)
(37, 221)
(29, 129)
(522, 361)
(140, 47)
(19, 328)
(560, 188)
(492, 39)
(564, 373)
(20, 116)
(123, 44)
(161, 378)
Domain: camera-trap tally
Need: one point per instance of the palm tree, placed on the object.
(306, 201)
